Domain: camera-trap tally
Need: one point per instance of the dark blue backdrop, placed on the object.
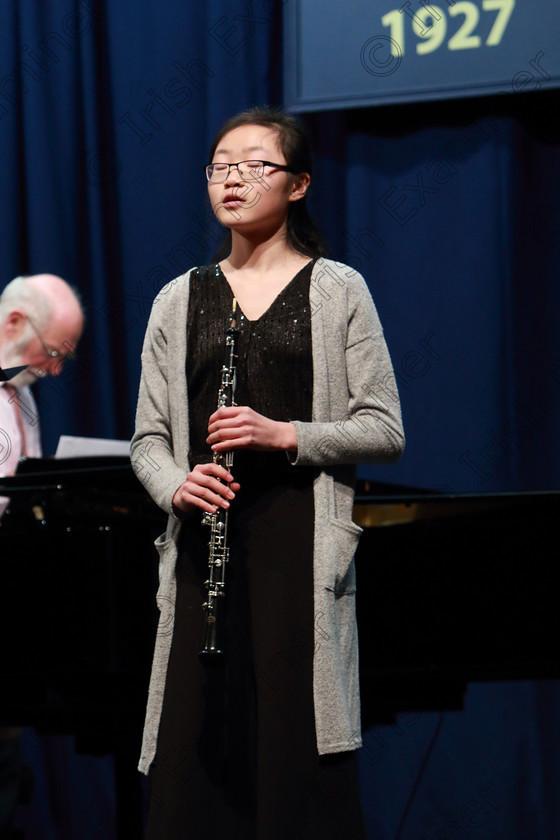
(451, 212)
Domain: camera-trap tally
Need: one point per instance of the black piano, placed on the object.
(451, 589)
(77, 610)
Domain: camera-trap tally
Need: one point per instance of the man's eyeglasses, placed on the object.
(51, 352)
(249, 170)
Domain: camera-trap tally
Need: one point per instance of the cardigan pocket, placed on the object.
(165, 595)
(166, 547)
(162, 544)
(344, 537)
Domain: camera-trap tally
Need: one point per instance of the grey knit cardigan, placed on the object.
(355, 417)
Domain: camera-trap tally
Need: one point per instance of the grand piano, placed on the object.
(77, 610)
(451, 589)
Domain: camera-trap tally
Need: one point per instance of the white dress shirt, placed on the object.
(11, 444)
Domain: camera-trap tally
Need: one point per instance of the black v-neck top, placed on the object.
(274, 366)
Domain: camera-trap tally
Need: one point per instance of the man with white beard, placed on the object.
(41, 321)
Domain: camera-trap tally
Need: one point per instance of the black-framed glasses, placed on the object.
(51, 352)
(249, 170)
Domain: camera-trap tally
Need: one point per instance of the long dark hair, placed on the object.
(302, 234)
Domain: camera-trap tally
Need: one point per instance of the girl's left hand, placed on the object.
(239, 427)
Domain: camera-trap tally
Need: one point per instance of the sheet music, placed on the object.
(78, 447)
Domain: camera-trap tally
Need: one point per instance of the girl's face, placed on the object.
(254, 204)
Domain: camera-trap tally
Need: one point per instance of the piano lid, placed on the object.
(378, 505)
(50, 473)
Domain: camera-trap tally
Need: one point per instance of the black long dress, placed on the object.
(237, 756)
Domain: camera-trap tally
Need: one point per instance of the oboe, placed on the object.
(213, 640)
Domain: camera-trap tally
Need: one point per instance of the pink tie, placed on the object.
(14, 400)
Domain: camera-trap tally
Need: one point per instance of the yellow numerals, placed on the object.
(430, 25)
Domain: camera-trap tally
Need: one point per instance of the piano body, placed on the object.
(451, 589)
(77, 610)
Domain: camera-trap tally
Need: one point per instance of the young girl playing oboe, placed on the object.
(263, 744)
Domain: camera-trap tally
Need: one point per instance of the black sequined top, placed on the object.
(274, 366)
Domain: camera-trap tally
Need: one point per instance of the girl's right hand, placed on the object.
(201, 489)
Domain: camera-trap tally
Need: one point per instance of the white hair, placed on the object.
(19, 294)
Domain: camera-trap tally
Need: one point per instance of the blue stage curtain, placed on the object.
(106, 115)
(488, 771)
(451, 212)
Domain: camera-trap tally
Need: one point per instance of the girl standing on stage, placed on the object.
(263, 746)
